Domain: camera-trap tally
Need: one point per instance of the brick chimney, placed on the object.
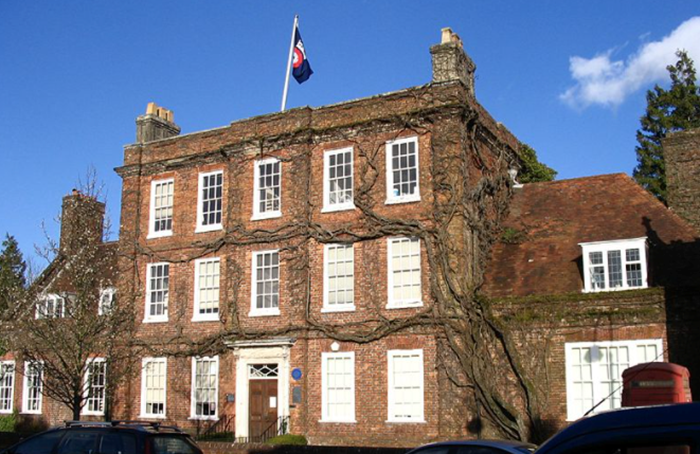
(82, 221)
(682, 156)
(450, 62)
(156, 124)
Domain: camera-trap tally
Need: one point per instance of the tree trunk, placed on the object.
(77, 400)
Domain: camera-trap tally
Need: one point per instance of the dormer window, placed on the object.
(614, 265)
(51, 306)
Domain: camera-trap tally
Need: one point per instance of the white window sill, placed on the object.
(203, 418)
(406, 421)
(266, 215)
(264, 313)
(208, 228)
(404, 304)
(337, 421)
(6, 412)
(334, 208)
(208, 318)
(155, 320)
(407, 199)
(27, 412)
(151, 416)
(349, 308)
(92, 413)
(163, 234)
(616, 289)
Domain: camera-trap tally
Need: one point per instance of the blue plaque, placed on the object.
(296, 373)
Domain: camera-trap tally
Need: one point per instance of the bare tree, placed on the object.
(69, 327)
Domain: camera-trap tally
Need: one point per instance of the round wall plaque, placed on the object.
(296, 373)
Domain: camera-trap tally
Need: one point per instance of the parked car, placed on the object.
(475, 447)
(117, 437)
(663, 429)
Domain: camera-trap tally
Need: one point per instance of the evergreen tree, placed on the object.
(675, 109)
(532, 170)
(12, 272)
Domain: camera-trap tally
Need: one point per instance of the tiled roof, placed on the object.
(554, 217)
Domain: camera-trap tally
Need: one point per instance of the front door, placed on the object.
(263, 408)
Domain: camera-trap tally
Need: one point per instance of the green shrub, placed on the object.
(289, 440)
(8, 423)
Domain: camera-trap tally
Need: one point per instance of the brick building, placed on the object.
(325, 269)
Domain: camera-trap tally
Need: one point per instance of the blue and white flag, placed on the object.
(300, 64)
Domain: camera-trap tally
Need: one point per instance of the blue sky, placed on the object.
(567, 77)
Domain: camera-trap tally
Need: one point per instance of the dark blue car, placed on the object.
(663, 429)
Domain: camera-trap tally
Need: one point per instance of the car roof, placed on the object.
(502, 444)
(627, 418)
(139, 426)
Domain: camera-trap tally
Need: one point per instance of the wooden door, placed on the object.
(263, 407)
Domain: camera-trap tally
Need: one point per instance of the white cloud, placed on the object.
(606, 82)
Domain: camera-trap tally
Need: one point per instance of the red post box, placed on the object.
(654, 384)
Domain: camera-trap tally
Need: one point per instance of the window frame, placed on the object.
(144, 363)
(614, 245)
(155, 318)
(597, 383)
(196, 315)
(325, 356)
(86, 385)
(390, 197)
(257, 214)
(326, 276)
(25, 388)
(12, 386)
(402, 304)
(391, 397)
(327, 206)
(200, 203)
(152, 210)
(193, 389)
(111, 291)
(254, 310)
(40, 312)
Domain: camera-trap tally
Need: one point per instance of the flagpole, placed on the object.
(289, 64)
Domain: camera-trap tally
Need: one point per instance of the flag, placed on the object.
(300, 64)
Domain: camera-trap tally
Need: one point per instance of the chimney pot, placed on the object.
(446, 35)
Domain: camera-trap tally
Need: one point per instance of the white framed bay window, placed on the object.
(338, 387)
(402, 172)
(594, 372)
(338, 278)
(338, 180)
(406, 386)
(205, 388)
(614, 265)
(404, 273)
(153, 387)
(207, 276)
